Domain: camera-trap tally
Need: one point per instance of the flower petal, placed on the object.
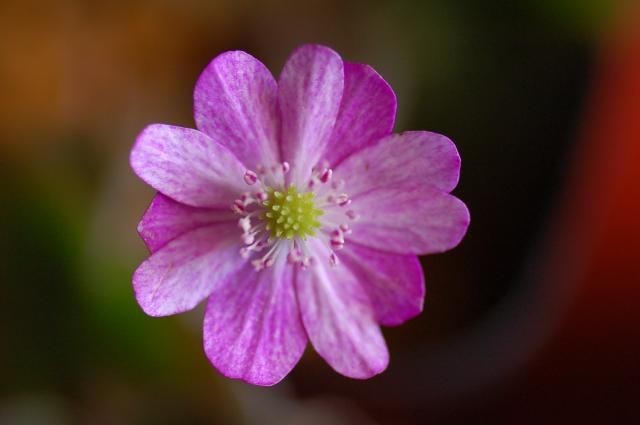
(309, 93)
(339, 319)
(409, 220)
(235, 103)
(185, 271)
(411, 158)
(367, 112)
(166, 219)
(252, 328)
(395, 283)
(187, 166)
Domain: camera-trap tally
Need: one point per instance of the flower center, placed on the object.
(277, 218)
(290, 214)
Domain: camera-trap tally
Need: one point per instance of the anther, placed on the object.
(258, 264)
(261, 196)
(250, 177)
(352, 215)
(337, 244)
(326, 175)
(294, 256)
(238, 206)
(261, 245)
(337, 240)
(333, 259)
(337, 184)
(343, 199)
(248, 238)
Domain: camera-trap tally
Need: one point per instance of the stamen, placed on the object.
(261, 196)
(337, 184)
(250, 177)
(294, 256)
(238, 206)
(352, 215)
(282, 218)
(326, 175)
(333, 259)
(245, 224)
(343, 200)
(337, 242)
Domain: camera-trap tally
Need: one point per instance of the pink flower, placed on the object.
(296, 212)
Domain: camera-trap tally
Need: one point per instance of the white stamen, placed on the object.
(245, 224)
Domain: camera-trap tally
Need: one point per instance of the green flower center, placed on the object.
(291, 214)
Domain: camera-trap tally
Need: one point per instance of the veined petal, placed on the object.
(252, 328)
(409, 220)
(309, 93)
(235, 102)
(185, 271)
(187, 165)
(410, 158)
(166, 219)
(367, 112)
(339, 319)
(394, 283)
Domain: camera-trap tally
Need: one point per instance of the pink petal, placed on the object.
(185, 271)
(165, 219)
(395, 283)
(310, 90)
(187, 166)
(367, 112)
(235, 102)
(411, 158)
(339, 318)
(252, 328)
(409, 220)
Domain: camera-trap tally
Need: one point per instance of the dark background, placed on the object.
(531, 320)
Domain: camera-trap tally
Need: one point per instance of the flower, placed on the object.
(296, 212)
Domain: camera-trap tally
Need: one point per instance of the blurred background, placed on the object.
(532, 319)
